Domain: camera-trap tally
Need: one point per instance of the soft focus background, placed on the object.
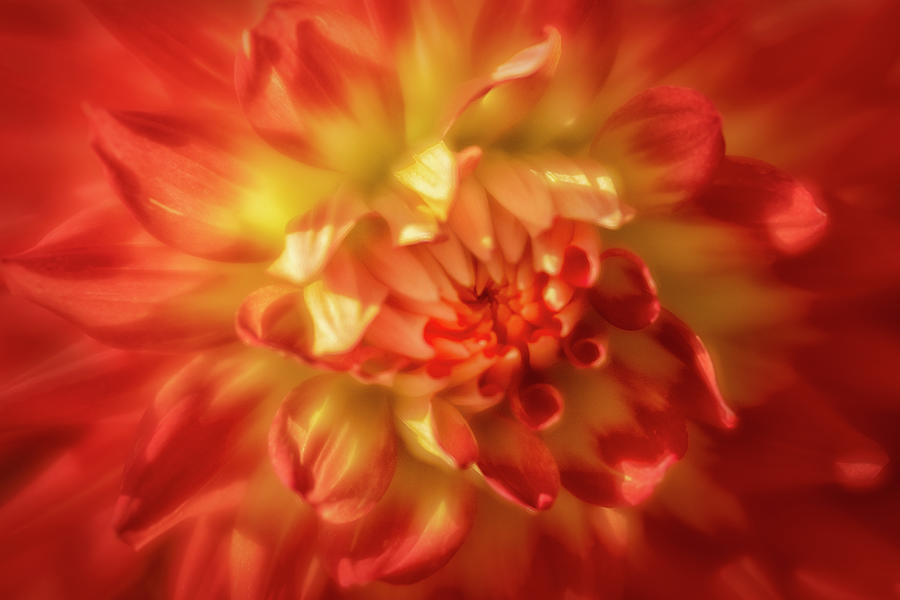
(810, 86)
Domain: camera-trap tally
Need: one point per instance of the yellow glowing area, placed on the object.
(338, 321)
(605, 183)
(304, 253)
(573, 178)
(419, 430)
(433, 176)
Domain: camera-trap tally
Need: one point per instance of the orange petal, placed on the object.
(182, 184)
(399, 269)
(132, 293)
(313, 238)
(178, 40)
(515, 86)
(583, 191)
(271, 317)
(453, 434)
(433, 174)
(409, 224)
(413, 531)
(199, 414)
(333, 442)
(518, 190)
(341, 305)
(470, 219)
(400, 331)
(510, 235)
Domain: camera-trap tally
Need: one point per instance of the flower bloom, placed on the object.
(435, 299)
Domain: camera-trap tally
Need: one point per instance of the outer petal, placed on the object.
(695, 390)
(617, 439)
(189, 43)
(312, 81)
(187, 444)
(333, 442)
(182, 183)
(412, 532)
(516, 462)
(129, 292)
(271, 546)
(666, 143)
(759, 196)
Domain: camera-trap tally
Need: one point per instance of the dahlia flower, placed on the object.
(432, 299)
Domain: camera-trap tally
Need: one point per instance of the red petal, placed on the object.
(581, 261)
(182, 183)
(413, 531)
(192, 43)
(516, 463)
(333, 442)
(187, 439)
(453, 434)
(62, 389)
(626, 294)
(667, 143)
(696, 391)
(134, 293)
(759, 196)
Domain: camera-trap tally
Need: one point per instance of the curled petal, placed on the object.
(626, 294)
(516, 463)
(585, 347)
(182, 184)
(666, 142)
(517, 84)
(199, 415)
(333, 443)
(580, 266)
(759, 196)
(413, 531)
(538, 405)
